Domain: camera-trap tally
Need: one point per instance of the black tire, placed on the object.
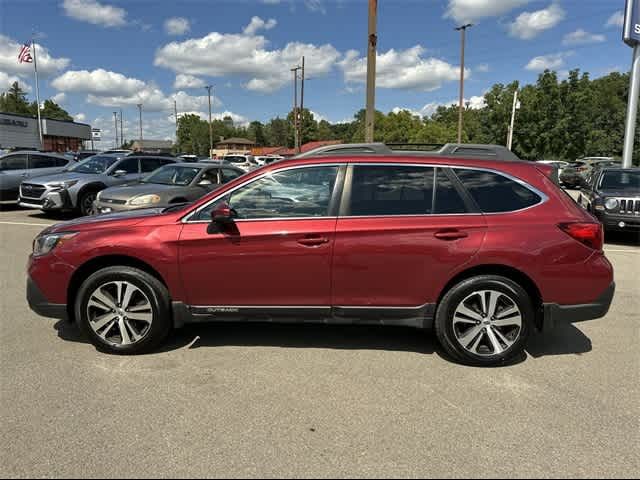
(154, 290)
(85, 202)
(444, 323)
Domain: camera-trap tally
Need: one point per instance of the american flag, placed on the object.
(25, 54)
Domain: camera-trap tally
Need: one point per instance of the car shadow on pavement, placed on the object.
(622, 239)
(564, 340)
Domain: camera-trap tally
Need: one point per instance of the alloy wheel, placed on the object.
(487, 323)
(120, 313)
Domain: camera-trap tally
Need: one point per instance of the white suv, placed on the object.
(266, 159)
(243, 161)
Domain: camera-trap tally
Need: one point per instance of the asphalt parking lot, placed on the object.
(314, 401)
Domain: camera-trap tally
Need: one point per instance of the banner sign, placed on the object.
(631, 34)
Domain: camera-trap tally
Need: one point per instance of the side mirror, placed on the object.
(223, 214)
(119, 173)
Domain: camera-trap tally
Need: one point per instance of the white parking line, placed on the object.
(607, 250)
(28, 224)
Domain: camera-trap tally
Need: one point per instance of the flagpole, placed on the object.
(35, 66)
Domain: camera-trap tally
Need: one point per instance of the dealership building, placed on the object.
(18, 131)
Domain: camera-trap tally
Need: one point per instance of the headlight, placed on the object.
(62, 185)
(43, 244)
(145, 200)
(611, 203)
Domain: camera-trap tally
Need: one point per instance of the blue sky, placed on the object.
(97, 56)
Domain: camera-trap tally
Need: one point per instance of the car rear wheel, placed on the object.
(484, 320)
(123, 310)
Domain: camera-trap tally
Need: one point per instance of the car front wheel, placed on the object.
(123, 310)
(484, 320)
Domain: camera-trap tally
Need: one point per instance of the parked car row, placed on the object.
(106, 182)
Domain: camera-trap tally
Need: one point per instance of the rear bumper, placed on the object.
(555, 314)
(40, 305)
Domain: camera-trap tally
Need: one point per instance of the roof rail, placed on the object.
(462, 150)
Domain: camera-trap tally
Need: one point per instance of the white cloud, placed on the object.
(616, 20)
(582, 37)
(464, 11)
(59, 98)
(96, 13)
(111, 89)
(257, 24)
(405, 69)
(79, 117)
(188, 81)
(316, 6)
(529, 25)
(177, 26)
(219, 54)
(548, 62)
(270, 2)
(47, 65)
(483, 68)
(475, 103)
(7, 80)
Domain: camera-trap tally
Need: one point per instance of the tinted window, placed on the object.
(229, 174)
(42, 161)
(303, 192)
(172, 175)
(495, 193)
(14, 162)
(151, 164)
(447, 199)
(391, 190)
(61, 162)
(129, 165)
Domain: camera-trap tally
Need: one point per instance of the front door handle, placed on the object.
(450, 234)
(313, 241)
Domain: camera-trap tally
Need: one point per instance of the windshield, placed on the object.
(95, 164)
(172, 175)
(621, 181)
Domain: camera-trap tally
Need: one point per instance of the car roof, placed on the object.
(37, 152)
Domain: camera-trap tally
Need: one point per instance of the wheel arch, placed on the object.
(518, 276)
(97, 263)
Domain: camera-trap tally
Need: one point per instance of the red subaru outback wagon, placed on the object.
(481, 251)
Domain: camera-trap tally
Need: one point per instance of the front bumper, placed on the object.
(40, 305)
(555, 314)
(50, 200)
(623, 223)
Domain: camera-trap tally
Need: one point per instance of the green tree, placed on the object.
(15, 101)
(54, 111)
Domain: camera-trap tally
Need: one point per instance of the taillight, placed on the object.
(589, 234)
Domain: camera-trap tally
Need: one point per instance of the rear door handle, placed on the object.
(314, 241)
(450, 234)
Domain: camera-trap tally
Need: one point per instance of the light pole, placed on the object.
(209, 87)
(296, 133)
(463, 31)
(115, 119)
(121, 129)
(372, 45)
(513, 119)
(140, 113)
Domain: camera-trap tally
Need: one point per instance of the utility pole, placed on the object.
(372, 45)
(115, 119)
(175, 114)
(513, 119)
(296, 133)
(121, 129)
(209, 87)
(140, 112)
(301, 120)
(463, 31)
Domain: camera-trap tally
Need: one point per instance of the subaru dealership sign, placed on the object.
(631, 32)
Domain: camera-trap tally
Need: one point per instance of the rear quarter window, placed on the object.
(495, 193)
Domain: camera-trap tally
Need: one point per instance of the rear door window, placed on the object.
(151, 164)
(42, 161)
(391, 190)
(495, 193)
(129, 165)
(447, 198)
